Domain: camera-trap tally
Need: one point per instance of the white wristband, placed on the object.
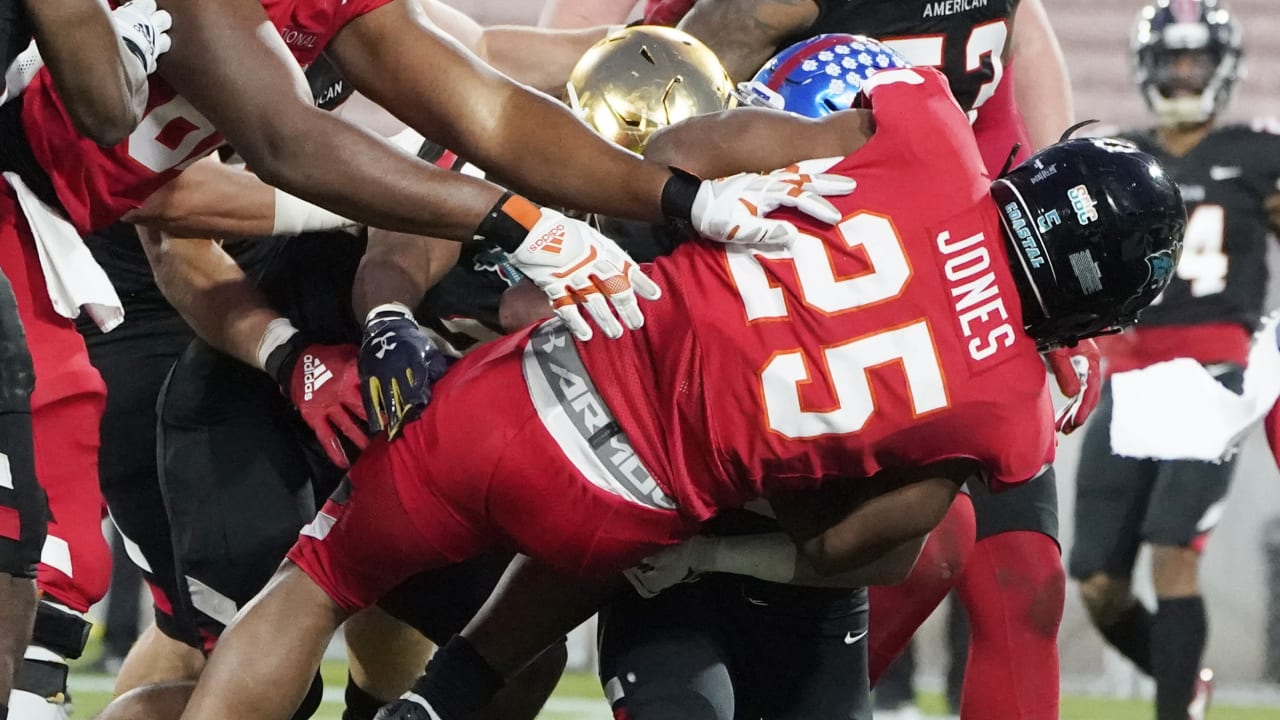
(395, 307)
(277, 333)
(295, 216)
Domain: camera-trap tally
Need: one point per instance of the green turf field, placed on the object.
(579, 698)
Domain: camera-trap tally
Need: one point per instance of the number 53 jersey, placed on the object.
(891, 340)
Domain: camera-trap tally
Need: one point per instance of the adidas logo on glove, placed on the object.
(314, 375)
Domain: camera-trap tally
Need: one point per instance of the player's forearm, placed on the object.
(544, 151)
(774, 557)
(755, 140)
(539, 58)
(212, 293)
(876, 526)
(210, 198)
(744, 33)
(532, 142)
(358, 175)
(104, 93)
(399, 268)
(1042, 87)
(585, 13)
(231, 65)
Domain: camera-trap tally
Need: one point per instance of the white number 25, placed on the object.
(845, 365)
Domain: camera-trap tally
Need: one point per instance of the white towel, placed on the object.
(73, 277)
(1175, 410)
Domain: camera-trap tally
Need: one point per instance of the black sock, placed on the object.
(1178, 636)
(1131, 635)
(360, 704)
(458, 680)
(4, 712)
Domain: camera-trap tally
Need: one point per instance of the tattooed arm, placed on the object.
(744, 33)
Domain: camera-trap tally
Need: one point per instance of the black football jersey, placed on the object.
(15, 31)
(966, 39)
(1222, 274)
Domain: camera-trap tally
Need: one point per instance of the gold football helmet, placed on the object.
(645, 77)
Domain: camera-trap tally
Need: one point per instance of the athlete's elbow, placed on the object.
(105, 121)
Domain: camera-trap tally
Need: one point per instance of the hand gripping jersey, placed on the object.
(891, 340)
(1216, 297)
(96, 186)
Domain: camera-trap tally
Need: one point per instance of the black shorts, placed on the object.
(1123, 502)
(134, 360)
(1032, 506)
(238, 484)
(728, 647)
(241, 475)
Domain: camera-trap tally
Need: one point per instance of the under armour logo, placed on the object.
(385, 342)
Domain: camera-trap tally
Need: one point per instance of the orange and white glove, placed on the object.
(734, 209)
(1078, 371)
(575, 266)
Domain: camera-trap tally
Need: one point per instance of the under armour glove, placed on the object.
(733, 209)
(321, 382)
(1078, 371)
(398, 365)
(574, 264)
(144, 30)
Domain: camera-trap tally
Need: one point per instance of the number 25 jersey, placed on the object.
(892, 340)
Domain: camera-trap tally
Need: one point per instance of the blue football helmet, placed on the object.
(819, 76)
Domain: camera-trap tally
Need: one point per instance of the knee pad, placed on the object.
(60, 630)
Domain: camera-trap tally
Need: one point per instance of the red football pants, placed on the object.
(66, 409)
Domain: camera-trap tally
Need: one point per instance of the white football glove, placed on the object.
(670, 566)
(144, 29)
(577, 266)
(733, 209)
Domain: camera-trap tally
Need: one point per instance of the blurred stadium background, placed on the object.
(1241, 572)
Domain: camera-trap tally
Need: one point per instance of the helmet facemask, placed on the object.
(1187, 57)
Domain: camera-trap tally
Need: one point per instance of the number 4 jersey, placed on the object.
(892, 340)
(1217, 295)
(95, 185)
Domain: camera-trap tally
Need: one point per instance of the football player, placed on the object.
(234, 69)
(993, 54)
(609, 451)
(1017, 532)
(1187, 56)
(99, 60)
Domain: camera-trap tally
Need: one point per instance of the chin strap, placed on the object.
(1008, 162)
(1072, 130)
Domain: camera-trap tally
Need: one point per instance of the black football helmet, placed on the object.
(1094, 228)
(1187, 59)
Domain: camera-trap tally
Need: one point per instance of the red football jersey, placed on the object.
(98, 185)
(891, 340)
